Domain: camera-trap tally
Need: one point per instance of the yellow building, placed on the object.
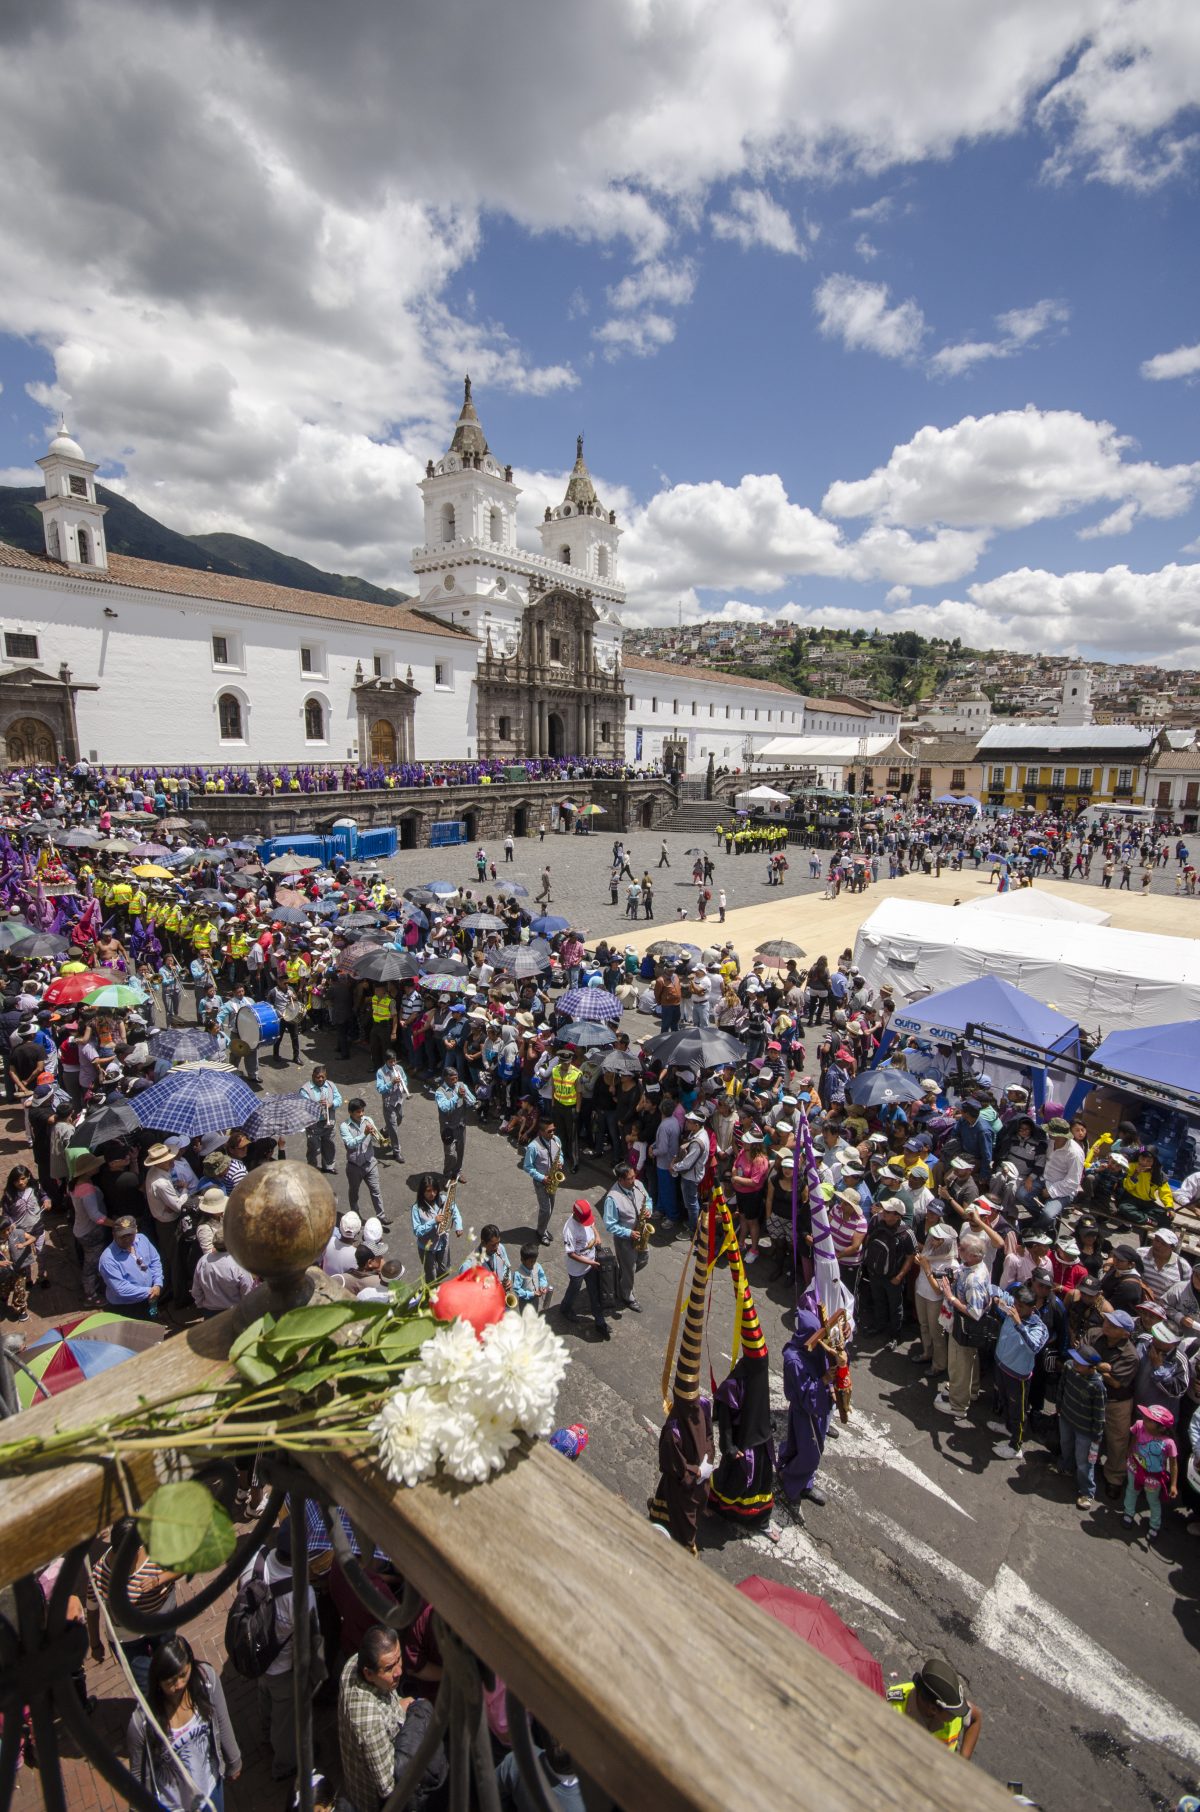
(1059, 768)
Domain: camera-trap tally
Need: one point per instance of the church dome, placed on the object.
(580, 489)
(469, 438)
(63, 445)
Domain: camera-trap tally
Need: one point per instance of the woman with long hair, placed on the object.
(200, 1751)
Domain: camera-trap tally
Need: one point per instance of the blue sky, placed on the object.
(868, 316)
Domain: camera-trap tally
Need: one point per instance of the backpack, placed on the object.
(252, 1638)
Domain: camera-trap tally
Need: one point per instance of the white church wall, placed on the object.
(714, 719)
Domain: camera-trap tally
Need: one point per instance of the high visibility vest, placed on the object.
(239, 943)
(381, 1008)
(565, 1084)
(949, 1733)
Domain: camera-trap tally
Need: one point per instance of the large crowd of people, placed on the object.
(1034, 1269)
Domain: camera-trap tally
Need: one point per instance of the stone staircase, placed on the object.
(699, 815)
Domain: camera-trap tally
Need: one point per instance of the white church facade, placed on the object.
(505, 653)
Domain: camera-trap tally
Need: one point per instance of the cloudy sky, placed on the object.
(871, 313)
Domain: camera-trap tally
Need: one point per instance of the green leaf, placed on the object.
(256, 1370)
(405, 1337)
(248, 1337)
(184, 1528)
(301, 1327)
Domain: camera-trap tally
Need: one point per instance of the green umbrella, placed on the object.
(117, 994)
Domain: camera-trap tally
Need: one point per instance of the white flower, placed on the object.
(407, 1432)
(522, 1366)
(475, 1443)
(448, 1361)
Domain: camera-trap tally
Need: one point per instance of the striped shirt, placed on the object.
(151, 1589)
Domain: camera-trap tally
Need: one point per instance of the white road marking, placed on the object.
(796, 1548)
(1015, 1622)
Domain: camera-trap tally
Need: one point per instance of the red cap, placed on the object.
(582, 1210)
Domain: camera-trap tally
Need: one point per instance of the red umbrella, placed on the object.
(69, 990)
(817, 1624)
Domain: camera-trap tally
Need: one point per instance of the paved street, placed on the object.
(1078, 1644)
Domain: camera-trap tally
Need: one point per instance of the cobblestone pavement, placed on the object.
(924, 1533)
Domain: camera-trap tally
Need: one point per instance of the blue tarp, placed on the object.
(992, 1004)
(1167, 1054)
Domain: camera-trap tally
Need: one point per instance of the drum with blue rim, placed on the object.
(257, 1023)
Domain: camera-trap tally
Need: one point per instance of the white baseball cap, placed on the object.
(350, 1225)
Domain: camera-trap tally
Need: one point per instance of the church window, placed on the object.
(85, 547)
(728, 711)
(556, 648)
(602, 562)
(504, 728)
(756, 713)
(229, 712)
(694, 707)
(441, 675)
(306, 660)
(712, 710)
(377, 665)
(220, 647)
(496, 526)
(448, 522)
(53, 545)
(654, 704)
(78, 485)
(20, 648)
(314, 720)
(605, 730)
(564, 555)
(675, 707)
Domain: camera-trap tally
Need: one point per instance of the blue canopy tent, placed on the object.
(1024, 1029)
(960, 799)
(1163, 1056)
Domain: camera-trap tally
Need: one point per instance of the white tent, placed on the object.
(1101, 977)
(1036, 903)
(765, 795)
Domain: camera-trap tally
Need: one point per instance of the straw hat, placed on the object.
(213, 1201)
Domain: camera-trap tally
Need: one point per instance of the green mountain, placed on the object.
(131, 531)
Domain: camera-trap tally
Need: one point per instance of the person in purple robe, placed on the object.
(809, 1401)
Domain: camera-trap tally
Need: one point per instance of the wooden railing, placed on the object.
(667, 1686)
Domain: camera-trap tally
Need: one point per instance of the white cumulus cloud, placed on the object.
(1184, 362)
(1018, 329)
(859, 314)
(754, 218)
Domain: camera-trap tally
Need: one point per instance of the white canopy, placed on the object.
(1036, 903)
(1100, 976)
(765, 793)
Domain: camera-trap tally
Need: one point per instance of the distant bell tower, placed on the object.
(580, 532)
(72, 519)
(1075, 706)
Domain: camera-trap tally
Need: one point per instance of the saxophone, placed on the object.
(645, 1227)
(555, 1177)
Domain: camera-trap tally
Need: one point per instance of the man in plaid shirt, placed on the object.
(370, 1717)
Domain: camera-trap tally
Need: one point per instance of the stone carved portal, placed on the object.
(551, 696)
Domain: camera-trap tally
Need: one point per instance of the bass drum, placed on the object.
(257, 1023)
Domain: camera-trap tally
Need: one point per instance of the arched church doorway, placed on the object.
(647, 814)
(520, 821)
(471, 825)
(30, 743)
(555, 735)
(383, 743)
(409, 828)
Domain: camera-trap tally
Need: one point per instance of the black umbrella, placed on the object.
(515, 888)
(45, 943)
(483, 921)
(668, 950)
(286, 915)
(441, 965)
(587, 1035)
(697, 1047)
(779, 951)
(80, 838)
(38, 831)
(373, 964)
(242, 877)
(185, 1044)
(622, 1063)
(522, 960)
(14, 933)
(208, 896)
(115, 1120)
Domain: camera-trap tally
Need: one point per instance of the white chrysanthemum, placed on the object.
(523, 1362)
(406, 1430)
(475, 1443)
(449, 1360)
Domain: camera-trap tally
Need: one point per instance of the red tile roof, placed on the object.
(230, 588)
(708, 676)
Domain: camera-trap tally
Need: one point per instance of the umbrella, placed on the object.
(318, 1534)
(292, 865)
(242, 877)
(422, 896)
(622, 1063)
(441, 965)
(483, 921)
(777, 951)
(115, 846)
(150, 871)
(43, 943)
(383, 965)
(362, 921)
(446, 984)
(549, 926)
(697, 1047)
(196, 1101)
(69, 990)
(412, 915)
(585, 1035)
(444, 890)
(880, 1088)
(515, 888)
(117, 994)
(668, 950)
(590, 1003)
(114, 1120)
(185, 1042)
(208, 896)
(280, 1114)
(521, 960)
(15, 931)
(154, 852)
(818, 1624)
(287, 915)
(80, 1348)
(80, 838)
(40, 832)
(175, 823)
(593, 811)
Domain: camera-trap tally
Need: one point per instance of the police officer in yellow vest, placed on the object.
(565, 1079)
(936, 1699)
(383, 1024)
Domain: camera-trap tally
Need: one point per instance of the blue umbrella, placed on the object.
(882, 1088)
(444, 888)
(282, 1114)
(185, 1044)
(549, 926)
(196, 1101)
(590, 1003)
(417, 916)
(515, 889)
